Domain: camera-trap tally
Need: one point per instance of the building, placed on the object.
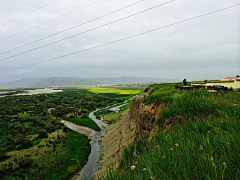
(230, 82)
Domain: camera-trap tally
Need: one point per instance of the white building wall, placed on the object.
(231, 84)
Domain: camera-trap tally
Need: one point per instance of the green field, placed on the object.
(83, 122)
(35, 145)
(113, 90)
(196, 137)
(64, 150)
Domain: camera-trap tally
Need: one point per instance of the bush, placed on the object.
(3, 157)
(65, 129)
(25, 163)
(42, 134)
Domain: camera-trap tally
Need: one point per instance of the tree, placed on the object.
(42, 134)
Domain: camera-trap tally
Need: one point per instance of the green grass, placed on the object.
(111, 117)
(54, 158)
(23, 118)
(206, 128)
(113, 90)
(117, 90)
(102, 112)
(37, 141)
(76, 155)
(83, 122)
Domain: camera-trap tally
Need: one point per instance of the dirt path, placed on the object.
(116, 137)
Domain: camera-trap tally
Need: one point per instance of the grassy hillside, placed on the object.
(196, 137)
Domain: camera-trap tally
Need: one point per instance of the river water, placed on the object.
(89, 170)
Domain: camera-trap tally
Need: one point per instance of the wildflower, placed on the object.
(224, 164)
(208, 131)
(136, 163)
(217, 128)
(151, 177)
(201, 147)
(211, 158)
(157, 146)
(171, 149)
(135, 155)
(166, 137)
(144, 169)
(234, 111)
(133, 167)
(176, 144)
(163, 157)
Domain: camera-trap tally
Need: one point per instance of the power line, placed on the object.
(74, 26)
(27, 13)
(49, 21)
(119, 40)
(87, 30)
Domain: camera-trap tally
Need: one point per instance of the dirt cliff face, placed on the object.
(135, 123)
(117, 136)
(144, 116)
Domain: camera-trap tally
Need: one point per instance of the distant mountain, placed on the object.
(125, 80)
(19, 83)
(132, 80)
(63, 81)
(58, 81)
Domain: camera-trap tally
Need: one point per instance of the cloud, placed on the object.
(204, 48)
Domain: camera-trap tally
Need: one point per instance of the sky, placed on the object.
(203, 48)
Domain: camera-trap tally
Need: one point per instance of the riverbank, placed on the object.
(117, 136)
(94, 163)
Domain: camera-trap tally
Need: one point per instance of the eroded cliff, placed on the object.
(144, 116)
(137, 122)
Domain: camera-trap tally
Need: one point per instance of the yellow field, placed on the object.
(113, 90)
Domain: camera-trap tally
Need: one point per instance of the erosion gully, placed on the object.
(92, 165)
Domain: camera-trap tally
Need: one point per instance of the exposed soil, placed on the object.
(117, 136)
(80, 129)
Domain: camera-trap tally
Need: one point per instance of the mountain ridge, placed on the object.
(69, 81)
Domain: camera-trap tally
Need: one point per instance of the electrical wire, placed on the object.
(87, 30)
(27, 13)
(119, 40)
(73, 27)
(49, 21)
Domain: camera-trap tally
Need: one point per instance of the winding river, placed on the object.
(92, 165)
(89, 170)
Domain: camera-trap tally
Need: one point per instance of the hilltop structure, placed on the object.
(230, 82)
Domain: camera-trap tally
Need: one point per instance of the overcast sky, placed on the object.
(204, 48)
